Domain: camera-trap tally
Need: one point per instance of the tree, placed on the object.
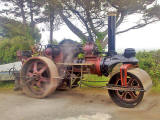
(154, 11)
(92, 14)
(16, 8)
(26, 10)
(52, 17)
(9, 47)
(11, 28)
(50, 14)
(31, 11)
(13, 39)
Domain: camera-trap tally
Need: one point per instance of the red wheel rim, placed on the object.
(39, 73)
(128, 96)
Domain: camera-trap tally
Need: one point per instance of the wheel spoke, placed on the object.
(44, 79)
(44, 68)
(39, 84)
(124, 95)
(30, 74)
(35, 67)
(130, 81)
(30, 68)
(133, 96)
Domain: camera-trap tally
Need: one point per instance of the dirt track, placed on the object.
(77, 104)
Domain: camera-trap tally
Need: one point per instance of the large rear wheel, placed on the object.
(39, 77)
(127, 99)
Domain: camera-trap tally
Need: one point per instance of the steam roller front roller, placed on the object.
(136, 78)
(39, 77)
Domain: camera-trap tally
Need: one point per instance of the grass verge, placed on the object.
(7, 85)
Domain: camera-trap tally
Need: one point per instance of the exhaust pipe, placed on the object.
(111, 33)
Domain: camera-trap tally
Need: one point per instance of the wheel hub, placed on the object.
(36, 76)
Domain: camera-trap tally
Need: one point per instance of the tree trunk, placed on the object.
(89, 19)
(21, 6)
(74, 11)
(51, 28)
(51, 20)
(32, 24)
(73, 28)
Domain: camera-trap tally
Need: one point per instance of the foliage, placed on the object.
(6, 85)
(16, 36)
(26, 10)
(100, 37)
(150, 62)
(154, 11)
(13, 28)
(9, 47)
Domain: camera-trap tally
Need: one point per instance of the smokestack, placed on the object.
(111, 33)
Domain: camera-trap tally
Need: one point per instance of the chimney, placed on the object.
(111, 33)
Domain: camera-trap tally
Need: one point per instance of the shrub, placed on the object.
(150, 62)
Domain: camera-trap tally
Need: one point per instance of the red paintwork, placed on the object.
(48, 52)
(123, 73)
(88, 48)
(92, 59)
(96, 64)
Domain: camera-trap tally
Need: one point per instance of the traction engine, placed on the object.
(58, 67)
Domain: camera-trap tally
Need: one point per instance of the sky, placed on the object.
(146, 38)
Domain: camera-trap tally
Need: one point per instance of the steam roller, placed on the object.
(55, 68)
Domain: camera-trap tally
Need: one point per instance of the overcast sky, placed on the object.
(146, 38)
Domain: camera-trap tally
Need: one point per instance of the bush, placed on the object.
(9, 47)
(15, 36)
(150, 62)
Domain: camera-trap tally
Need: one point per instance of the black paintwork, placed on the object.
(111, 35)
(108, 63)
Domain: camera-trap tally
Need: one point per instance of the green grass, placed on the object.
(88, 78)
(7, 85)
(156, 89)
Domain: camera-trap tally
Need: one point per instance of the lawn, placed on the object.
(6, 85)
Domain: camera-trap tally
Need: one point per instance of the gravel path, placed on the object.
(77, 104)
